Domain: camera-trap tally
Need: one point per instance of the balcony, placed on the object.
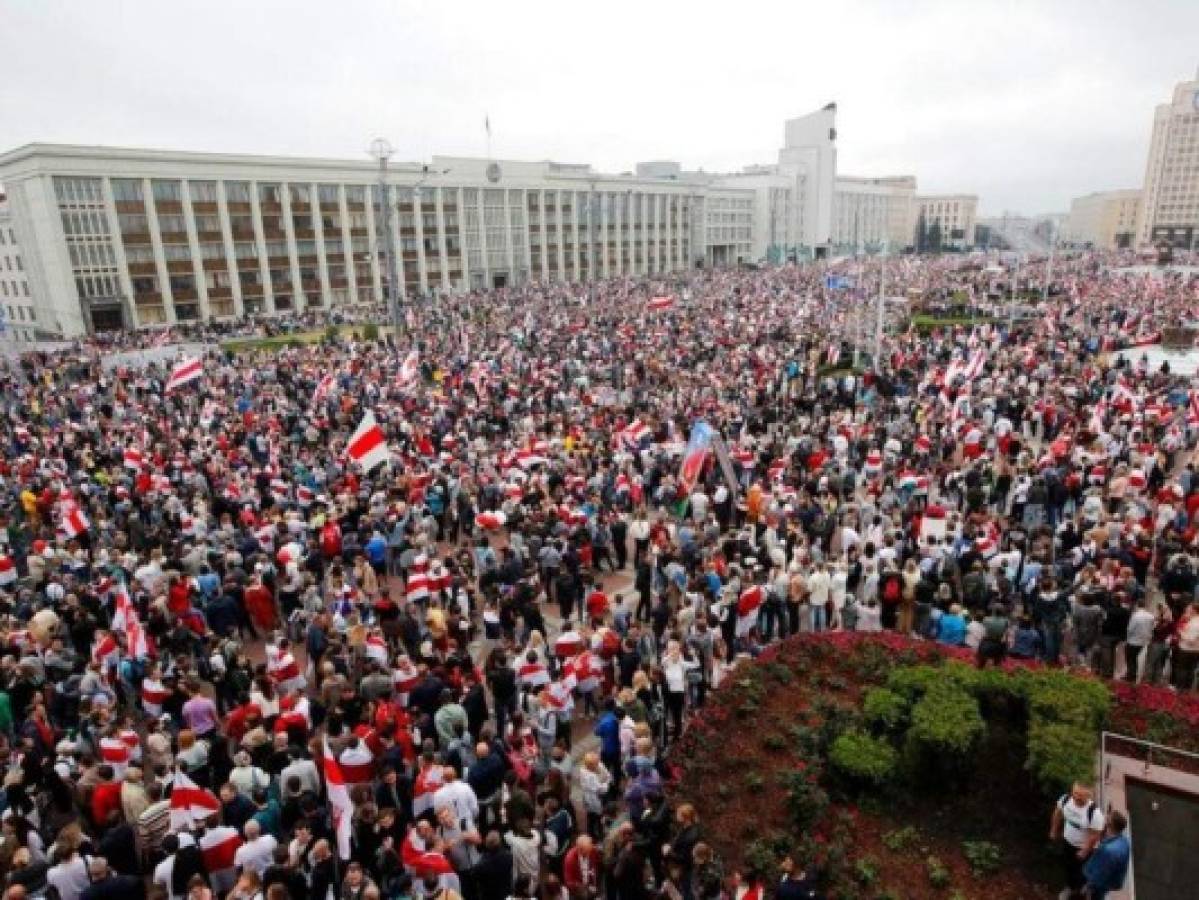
(141, 238)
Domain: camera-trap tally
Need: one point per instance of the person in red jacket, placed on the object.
(580, 869)
(331, 539)
(106, 797)
(260, 605)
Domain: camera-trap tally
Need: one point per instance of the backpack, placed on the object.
(1065, 798)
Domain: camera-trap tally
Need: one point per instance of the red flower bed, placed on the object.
(746, 761)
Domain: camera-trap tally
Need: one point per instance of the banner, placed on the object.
(694, 455)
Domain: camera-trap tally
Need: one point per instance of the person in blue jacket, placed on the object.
(951, 627)
(1107, 867)
(607, 729)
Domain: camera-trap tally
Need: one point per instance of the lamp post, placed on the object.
(381, 150)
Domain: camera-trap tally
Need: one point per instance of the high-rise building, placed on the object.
(1106, 220)
(1170, 198)
(18, 311)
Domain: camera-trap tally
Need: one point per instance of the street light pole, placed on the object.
(381, 150)
(1049, 266)
(882, 293)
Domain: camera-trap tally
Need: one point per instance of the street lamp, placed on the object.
(381, 150)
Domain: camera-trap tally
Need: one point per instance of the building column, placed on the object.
(509, 240)
(482, 207)
(264, 263)
(347, 246)
(193, 245)
(418, 216)
(373, 239)
(239, 307)
(443, 254)
(128, 307)
(160, 261)
(318, 231)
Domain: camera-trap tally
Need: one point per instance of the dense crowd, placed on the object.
(423, 616)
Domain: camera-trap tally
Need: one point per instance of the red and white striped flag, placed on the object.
(1193, 410)
(367, 446)
(409, 369)
(664, 301)
(8, 571)
(187, 370)
(322, 389)
(190, 803)
(74, 522)
(164, 338)
(133, 458)
(748, 605)
(340, 806)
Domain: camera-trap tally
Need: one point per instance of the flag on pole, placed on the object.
(409, 368)
(340, 806)
(748, 605)
(190, 803)
(187, 370)
(367, 446)
(133, 458)
(74, 522)
(322, 389)
(695, 455)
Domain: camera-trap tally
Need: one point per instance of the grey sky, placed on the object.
(1025, 104)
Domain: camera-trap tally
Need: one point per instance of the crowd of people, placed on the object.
(423, 616)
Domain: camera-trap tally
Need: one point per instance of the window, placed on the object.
(203, 191)
(143, 284)
(237, 191)
(183, 283)
(245, 250)
(171, 225)
(276, 248)
(139, 253)
(268, 193)
(327, 193)
(299, 193)
(208, 224)
(132, 224)
(166, 191)
(355, 193)
(212, 251)
(176, 252)
(242, 225)
(127, 190)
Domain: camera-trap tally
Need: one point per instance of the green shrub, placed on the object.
(370, 332)
(983, 856)
(807, 740)
(913, 682)
(775, 743)
(884, 708)
(1055, 696)
(946, 721)
(901, 838)
(331, 333)
(938, 875)
(806, 799)
(862, 757)
(1060, 754)
(865, 871)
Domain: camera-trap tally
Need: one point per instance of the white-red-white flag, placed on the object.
(340, 806)
(187, 370)
(74, 522)
(409, 369)
(748, 605)
(322, 389)
(133, 458)
(8, 571)
(190, 803)
(661, 302)
(368, 446)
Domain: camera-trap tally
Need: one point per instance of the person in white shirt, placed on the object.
(257, 853)
(819, 584)
(869, 616)
(1139, 634)
(460, 796)
(305, 770)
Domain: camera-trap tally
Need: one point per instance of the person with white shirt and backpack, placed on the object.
(1077, 823)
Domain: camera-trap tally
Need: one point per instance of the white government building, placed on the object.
(119, 238)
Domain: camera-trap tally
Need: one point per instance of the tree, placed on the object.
(921, 234)
(934, 238)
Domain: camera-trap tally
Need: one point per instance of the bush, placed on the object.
(938, 875)
(331, 333)
(946, 721)
(370, 332)
(913, 682)
(864, 758)
(806, 799)
(885, 709)
(983, 856)
(1060, 754)
(901, 838)
(775, 743)
(1055, 696)
(865, 870)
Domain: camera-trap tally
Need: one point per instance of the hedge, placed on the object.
(863, 757)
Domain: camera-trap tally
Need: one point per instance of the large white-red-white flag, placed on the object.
(190, 803)
(8, 571)
(661, 302)
(368, 446)
(186, 370)
(748, 605)
(74, 522)
(409, 369)
(340, 806)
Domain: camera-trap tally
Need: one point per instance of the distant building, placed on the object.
(1106, 220)
(18, 311)
(1170, 196)
(870, 214)
(950, 217)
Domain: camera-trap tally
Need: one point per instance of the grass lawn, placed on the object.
(292, 339)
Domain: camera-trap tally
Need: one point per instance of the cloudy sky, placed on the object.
(1026, 104)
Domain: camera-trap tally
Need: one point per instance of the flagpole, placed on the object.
(878, 325)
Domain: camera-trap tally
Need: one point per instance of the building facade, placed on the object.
(1106, 220)
(18, 310)
(870, 214)
(948, 220)
(129, 238)
(1170, 195)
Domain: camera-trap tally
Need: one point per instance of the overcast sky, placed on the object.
(1025, 104)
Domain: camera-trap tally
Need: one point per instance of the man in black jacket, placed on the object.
(282, 872)
(491, 876)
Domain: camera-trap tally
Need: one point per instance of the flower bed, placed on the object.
(896, 769)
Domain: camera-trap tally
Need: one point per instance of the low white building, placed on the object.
(870, 214)
(1106, 220)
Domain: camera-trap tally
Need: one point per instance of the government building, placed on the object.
(127, 238)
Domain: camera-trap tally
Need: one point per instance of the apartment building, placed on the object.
(18, 311)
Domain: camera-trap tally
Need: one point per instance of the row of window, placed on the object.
(12, 238)
(6, 286)
(18, 314)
